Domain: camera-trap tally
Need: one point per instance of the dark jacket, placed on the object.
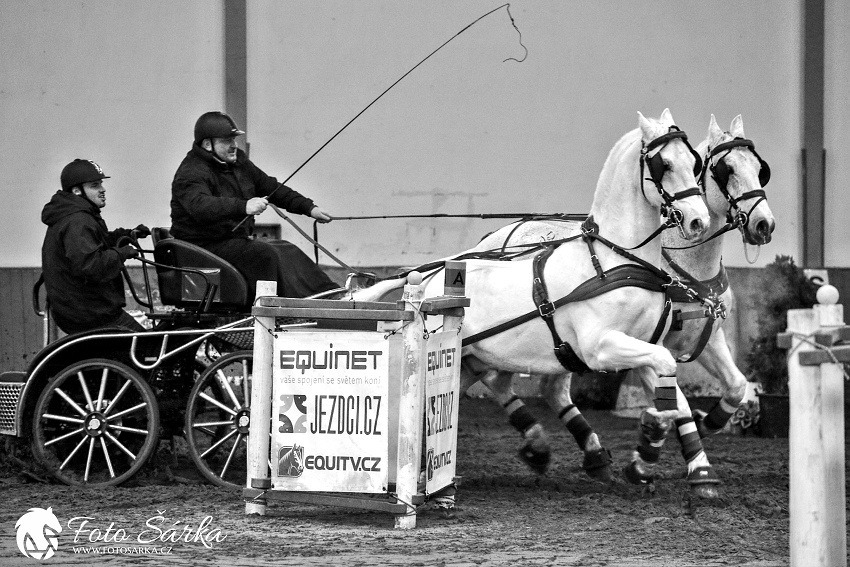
(81, 264)
(208, 197)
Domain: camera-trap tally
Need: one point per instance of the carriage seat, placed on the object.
(186, 289)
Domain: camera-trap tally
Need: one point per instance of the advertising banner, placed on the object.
(442, 381)
(329, 412)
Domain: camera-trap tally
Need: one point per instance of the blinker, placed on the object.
(655, 164)
(721, 169)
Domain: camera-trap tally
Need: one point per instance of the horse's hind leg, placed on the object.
(535, 451)
(597, 459)
(717, 360)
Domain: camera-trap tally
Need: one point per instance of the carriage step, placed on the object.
(13, 377)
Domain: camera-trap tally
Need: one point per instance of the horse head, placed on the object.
(298, 455)
(734, 180)
(670, 163)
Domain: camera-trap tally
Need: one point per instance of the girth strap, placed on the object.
(565, 353)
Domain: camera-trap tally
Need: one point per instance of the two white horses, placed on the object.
(610, 302)
(732, 178)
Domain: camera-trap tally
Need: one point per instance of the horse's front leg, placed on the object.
(670, 410)
(555, 389)
(535, 450)
(615, 350)
(717, 360)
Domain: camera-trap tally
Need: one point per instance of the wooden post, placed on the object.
(410, 408)
(816, 446)
(261, 407)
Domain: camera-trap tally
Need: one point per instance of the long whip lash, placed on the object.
(291, 175)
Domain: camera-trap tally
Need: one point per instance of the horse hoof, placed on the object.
(597, 464)
(704, 483)
(538, 461)
(705, 491)
(635, 474)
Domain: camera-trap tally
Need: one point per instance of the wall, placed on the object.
(120, 82)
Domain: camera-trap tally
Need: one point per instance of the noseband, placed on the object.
(656, 167)
(720, 172)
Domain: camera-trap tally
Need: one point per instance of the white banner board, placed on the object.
(329, 411)
(442, 381)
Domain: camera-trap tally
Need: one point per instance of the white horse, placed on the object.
(732, 177)
(612, 301)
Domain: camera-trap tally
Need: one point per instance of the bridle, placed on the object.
(720, 172)
(656, 167)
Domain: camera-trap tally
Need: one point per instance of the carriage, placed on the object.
(94, 405)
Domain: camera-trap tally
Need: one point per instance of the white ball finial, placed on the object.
(827, 295)
(415, 278)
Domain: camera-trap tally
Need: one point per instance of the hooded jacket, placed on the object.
(81, 264)
(208, 197)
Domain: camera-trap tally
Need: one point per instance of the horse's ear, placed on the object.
(645, 127)
(737, 128)
(667, 118)
(714, 131)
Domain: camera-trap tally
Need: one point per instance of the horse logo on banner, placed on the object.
(291, 461)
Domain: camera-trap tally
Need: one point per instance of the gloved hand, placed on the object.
(128, 252)
(140, 231)
(320, 215)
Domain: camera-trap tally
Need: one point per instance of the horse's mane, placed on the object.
(614, 156)
(622, 146)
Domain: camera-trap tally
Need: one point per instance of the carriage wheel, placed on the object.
(96, 424)
(218, 419)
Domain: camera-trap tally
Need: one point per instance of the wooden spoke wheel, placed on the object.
(218, 418)
(96, 423)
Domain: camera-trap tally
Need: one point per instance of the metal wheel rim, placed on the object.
(218, 419)
(96, 423)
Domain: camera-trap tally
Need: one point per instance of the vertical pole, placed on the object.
(261, 395)
(236, 64)
(814, 155)
(816, 449)
(410, 408)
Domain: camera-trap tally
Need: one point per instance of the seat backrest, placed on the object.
(186, 289)
(160, 233)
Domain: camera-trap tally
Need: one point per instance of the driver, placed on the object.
(80, 258)
(216, 187)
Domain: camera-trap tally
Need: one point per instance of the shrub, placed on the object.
(783, 286)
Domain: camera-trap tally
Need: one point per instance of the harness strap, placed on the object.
(563, 351)
(716, 286)
(703, 336)
(617, 277)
